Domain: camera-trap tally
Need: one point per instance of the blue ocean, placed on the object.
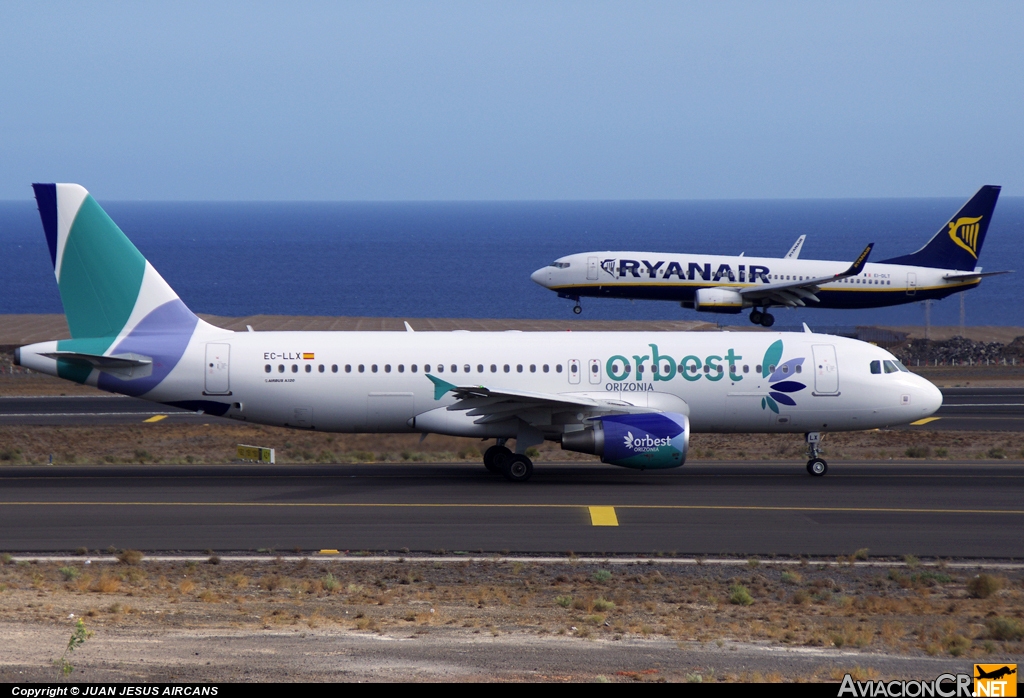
(474, 259)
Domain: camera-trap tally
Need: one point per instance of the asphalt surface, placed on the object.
(964, 409)
(926, 509)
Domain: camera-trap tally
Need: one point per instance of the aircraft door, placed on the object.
(595, 371)
(826, 370)
(574, 371)
(591, 268)
(911, 283)
(218, 365)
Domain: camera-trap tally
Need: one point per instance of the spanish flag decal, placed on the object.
(308, 355)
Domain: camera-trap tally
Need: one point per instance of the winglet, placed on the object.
(807, 329)
(440, 386)
(858, 264)
(408, 327)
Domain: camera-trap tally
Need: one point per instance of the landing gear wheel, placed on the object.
(755, 316)
(517, 468)
(494, 457)
(767, 319)
(817, 467)
(577, 309)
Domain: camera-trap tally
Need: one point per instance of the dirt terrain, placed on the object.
(504, 619)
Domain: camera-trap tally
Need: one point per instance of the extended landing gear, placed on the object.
(762, 317)
(514, 467)
(815, 465)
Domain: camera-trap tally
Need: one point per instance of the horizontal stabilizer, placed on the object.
(974, 275)
(124, 366)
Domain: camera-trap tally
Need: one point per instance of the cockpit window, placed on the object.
(890, 367)
(876, 366)
(559, 265)
(900, 366)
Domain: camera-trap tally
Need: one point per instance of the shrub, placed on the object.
(918, 452)
(861, 554)
(330, 582)
(1007, 629)
(603, 605)
(564, 601)
(984, 585)
(791, 578)
(739, 595)
(130, 557)
(602, 576)
(69, 573)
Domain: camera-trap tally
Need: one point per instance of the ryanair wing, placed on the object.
(794, 293)
(794, 251)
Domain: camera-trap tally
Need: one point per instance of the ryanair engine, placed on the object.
(718, 300)
(654, 440)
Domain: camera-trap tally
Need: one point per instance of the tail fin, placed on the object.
(114, 300)
(958, 243)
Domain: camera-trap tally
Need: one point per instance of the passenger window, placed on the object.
(267, 368)
(799, 369)
(558, 368)
(413, 368)
(594, 368)
(373, 368)
(720, 368)
(362, 368)
(309, 368)
(455, 368)
(771, 369)
(401, 368)
(440, 368)
(479, 368)
(545, 368)
(322, 369)
(467, 368)
(746, 368)
(533, 368)
(519, 368)
(295, 368)
(890, 367)
(707, 369)
(785, 369)
(876, 366)
(280, 368)
(426, 368)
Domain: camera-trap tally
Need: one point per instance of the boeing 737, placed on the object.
(631, 398)
(947, 264)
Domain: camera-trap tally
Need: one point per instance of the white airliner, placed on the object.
(947, 264)
(630, 398)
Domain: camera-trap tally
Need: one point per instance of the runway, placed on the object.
(964, 409)
(927, 509)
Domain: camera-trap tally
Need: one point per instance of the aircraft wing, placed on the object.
(496, 404)
(794, 293)
(794, 251)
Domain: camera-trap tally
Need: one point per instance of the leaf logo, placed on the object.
(629, 439)
(779, 385)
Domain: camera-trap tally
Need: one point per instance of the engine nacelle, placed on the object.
(654, 440)
(718, 300)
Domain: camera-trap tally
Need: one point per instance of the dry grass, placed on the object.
(920, 611)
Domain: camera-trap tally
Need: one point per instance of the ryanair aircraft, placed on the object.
(631, 398)
(947, 264)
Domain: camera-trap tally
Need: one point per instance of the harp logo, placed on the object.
(964, 232)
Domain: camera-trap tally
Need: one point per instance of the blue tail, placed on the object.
(958, 244)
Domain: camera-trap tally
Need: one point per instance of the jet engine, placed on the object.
(718, 300)
(653, 440)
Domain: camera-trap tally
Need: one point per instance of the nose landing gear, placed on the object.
(815, 465)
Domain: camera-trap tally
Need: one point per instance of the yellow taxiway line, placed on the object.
(155, 418)
(428, 505)
(926, 420)
(603, 516)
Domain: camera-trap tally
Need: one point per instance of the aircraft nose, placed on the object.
(542, 276)
(929, 397)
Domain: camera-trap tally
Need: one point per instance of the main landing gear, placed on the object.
(514, 467)
(762, 317)
(577, 308)
(815, 465)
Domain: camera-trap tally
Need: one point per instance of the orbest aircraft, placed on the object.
(631, 398)
(947, 264)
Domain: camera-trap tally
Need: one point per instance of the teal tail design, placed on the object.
(115, 302)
